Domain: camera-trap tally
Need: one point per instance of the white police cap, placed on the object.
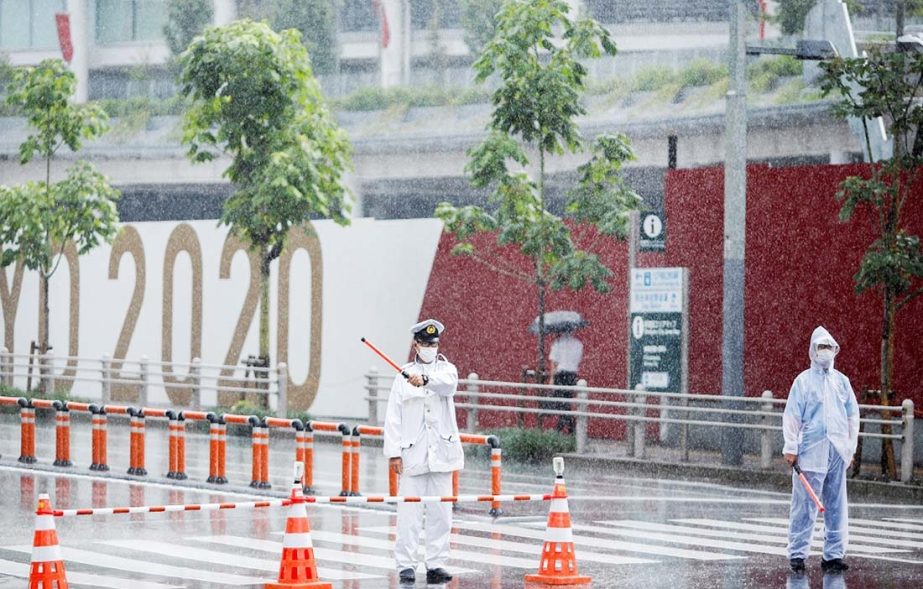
(427, 331)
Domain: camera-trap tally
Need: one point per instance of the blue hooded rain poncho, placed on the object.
(821, 427)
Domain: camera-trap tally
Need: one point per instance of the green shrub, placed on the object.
(652, 78)
(764, 73)
(533, 445)
(702, 72)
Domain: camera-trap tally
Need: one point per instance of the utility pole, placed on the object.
(735, 212)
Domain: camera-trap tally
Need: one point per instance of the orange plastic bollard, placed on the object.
(264, 457)
(495, 472)
(347, 459)
(222, 453)
(308, 459)
(181, 448)
(136, 446)
(62, 434)
(27, 432)
(354, 462)
(212, 452)
(171, 445)
(455, 484)
(47, 568)
(255, 452)
(99, 423)
(392, 482)
(558, 563)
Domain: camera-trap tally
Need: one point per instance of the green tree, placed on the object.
(314, 19)
(185, 20)
(889, 85)
(38, 219)
(536, 107)
(478, 19)
(254, 97)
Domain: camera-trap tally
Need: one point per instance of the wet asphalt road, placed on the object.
(629, 532)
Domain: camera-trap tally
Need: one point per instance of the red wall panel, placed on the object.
(800, 264)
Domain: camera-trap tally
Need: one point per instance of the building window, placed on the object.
(127, 21)
(29, 24)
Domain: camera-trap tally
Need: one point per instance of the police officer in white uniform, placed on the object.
(422, 445)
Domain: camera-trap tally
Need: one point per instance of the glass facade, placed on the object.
(29, 24)
(128, 21)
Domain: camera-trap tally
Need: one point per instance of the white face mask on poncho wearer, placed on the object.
(825, 357)
(427, 355)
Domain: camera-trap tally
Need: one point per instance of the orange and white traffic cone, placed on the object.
(47, 570)
(558, 563)
(298, 569)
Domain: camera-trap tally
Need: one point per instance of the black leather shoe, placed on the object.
(834, 565)
(797, 565)
(437, 576)
(408, 575)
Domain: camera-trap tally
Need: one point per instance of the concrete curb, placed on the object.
(771, 480)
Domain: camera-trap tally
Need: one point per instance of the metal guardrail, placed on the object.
(106, 372)
(640, 407)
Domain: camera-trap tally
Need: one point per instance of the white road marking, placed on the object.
(533, 548)
(127, 564)
(893, 526)
(916, 523)
(776, 539)
(228, 559)
(680, 539)
(634, 547)
(322, 554)
(855, 533)
(21, 570)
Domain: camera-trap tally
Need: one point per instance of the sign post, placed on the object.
(658, 322)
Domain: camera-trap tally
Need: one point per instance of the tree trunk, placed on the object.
(264, 325)
(888, 465)
(541, 331)
(899, 11)
(43, 336)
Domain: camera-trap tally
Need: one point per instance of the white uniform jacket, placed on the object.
(420, 424)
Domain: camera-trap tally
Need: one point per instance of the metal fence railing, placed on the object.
(638, 408)
(139, 380)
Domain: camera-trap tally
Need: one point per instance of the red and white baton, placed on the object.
(385, 358)
(807, 487)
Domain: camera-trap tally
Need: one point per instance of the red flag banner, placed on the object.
(63, 22)
(379, 8)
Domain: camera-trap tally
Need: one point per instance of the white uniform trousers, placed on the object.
(410, 520)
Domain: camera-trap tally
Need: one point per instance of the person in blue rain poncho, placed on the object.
(821, 429)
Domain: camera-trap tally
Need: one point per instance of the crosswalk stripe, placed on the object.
(680, 539)
(508, 546)
(916, 523)
(753, 537)
(228, 559)
(634, 547)
(906, 530)
(455, 554)
(322, 554)
(21, 570)
(855, 533)
(99, 559)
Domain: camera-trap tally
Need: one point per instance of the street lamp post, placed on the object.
(735, 210)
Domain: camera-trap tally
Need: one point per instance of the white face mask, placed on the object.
(427, 355)
(825, 358)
